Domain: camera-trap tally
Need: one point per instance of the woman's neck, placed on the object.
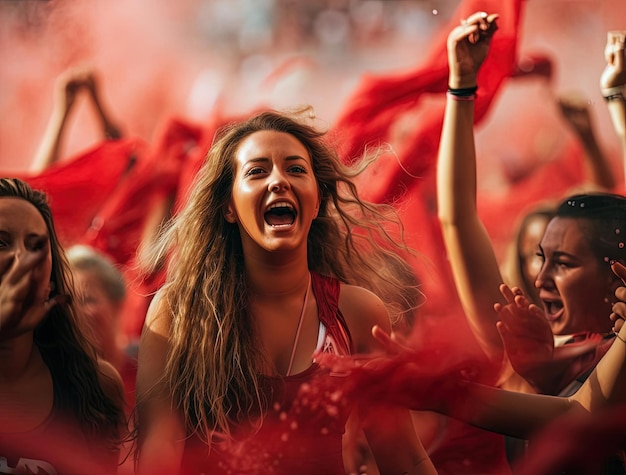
(272, 280)
(17, 357)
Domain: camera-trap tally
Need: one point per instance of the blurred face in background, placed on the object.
(101, 311)
(530, 237)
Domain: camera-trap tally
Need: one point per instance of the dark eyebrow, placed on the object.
(257, 160)
(29, 235)
(563, 254)
(558, 253)
(290, 158)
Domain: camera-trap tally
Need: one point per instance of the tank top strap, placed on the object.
(326, 291)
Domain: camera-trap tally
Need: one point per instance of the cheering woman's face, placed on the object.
(574, 286)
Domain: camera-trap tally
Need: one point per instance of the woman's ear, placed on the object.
(317, 207)
(229, 214)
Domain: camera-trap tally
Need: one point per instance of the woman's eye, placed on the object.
(254, 171)
(38, 244)
(297, 169)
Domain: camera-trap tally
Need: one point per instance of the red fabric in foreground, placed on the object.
(78, 189)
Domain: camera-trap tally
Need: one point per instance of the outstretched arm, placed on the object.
(405, 379)
(471, 255)
(613, 85)
(520, 415)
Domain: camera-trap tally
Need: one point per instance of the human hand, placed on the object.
(70, 82)
(614, 73)
(524, 330)
(529, 344)
(418, 379)
(468, 45)
(618, 314)
(23, 300)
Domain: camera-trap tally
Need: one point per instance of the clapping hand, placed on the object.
(619, 308)
(529, 343)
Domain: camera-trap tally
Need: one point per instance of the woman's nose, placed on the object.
(543, 277)
(278, 182)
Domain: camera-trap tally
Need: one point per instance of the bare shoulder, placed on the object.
(154, 345)
(362, 309)
(158, 317)
(111, 381)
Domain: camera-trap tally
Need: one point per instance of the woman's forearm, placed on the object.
(472, 259)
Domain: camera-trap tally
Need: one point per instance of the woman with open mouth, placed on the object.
(266, 259)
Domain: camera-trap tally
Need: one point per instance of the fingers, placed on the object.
(381, 335)
(507, 293)
(384, 339)
(514, 296)
(619, 270)
(478, 26)
(393, 344)
(22, 265)
(614, 50)
(618, 314)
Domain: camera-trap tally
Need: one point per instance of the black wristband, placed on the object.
(463, 92)
(613, 93)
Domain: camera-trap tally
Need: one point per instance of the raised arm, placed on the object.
(470, 251)
(613, 86)
(161, 430)
(577, 114)
(67, 88)
(109, 129)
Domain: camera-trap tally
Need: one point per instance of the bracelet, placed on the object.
(463, 92)
(619, 337)
(454, 97)
(612, 93)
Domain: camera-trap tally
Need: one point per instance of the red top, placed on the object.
(302, 430)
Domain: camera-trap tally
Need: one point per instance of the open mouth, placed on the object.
(553, 309)
(280, 214)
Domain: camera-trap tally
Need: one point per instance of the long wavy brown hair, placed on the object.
(64, 341)
(214, 362)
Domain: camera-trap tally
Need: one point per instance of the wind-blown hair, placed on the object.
(214, 362)
(63, 340)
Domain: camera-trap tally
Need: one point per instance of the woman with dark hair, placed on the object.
(269, 261)
(574, 283)
(62, 407)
